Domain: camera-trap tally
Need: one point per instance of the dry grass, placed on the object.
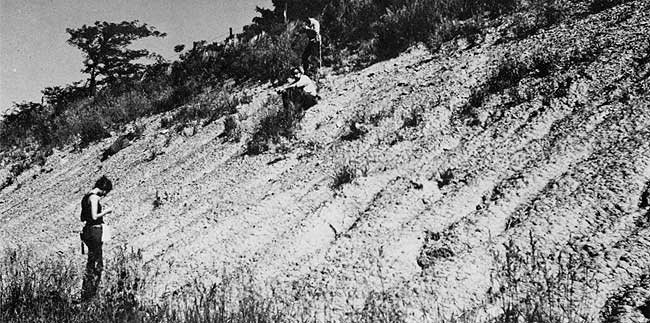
(33, 290)
(278, 119)
(206, 109)
(529, 286)
(546, 287)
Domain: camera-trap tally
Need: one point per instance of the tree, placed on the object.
(269, 22)
(106, 56)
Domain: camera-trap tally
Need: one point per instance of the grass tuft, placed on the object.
(537, 286)
(231, 130)
(278, 120)
(344, 175)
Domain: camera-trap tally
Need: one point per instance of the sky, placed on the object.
(33, 49)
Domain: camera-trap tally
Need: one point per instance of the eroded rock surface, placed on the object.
(540, 144)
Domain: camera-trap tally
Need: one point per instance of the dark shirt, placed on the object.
(86, 211)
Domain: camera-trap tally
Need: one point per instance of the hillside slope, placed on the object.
(463, 157)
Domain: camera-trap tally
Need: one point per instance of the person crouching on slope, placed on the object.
(302, 91)
(93, 215)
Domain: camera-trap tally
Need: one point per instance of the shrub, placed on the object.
(432, 21)
(6, 182)
(231, 130)
(90, 119)
(278, 120)
(355, 32)
(356, 126)
(165, 122)
(344, 175)
(270, 58)
(446, 178)
(505, 79)
(209, 107)
(599, 5)
(508, 74)
(127, 107)
(91, 131)
(28, 123)
(369, 30)
(17, 169)
(157, 202)
(60, 97)
(177, 97)
(413, 117)
(532, 17)
(353, 132)
(447, 30)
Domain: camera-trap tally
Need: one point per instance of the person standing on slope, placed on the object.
(312, 29)
(93, 214)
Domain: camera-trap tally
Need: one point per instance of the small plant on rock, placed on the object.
(344, 175)
(354, 132)
(157, 201)
(413, 118)
(231, 131)
(446, 178)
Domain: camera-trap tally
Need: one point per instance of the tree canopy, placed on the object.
(106, 56)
